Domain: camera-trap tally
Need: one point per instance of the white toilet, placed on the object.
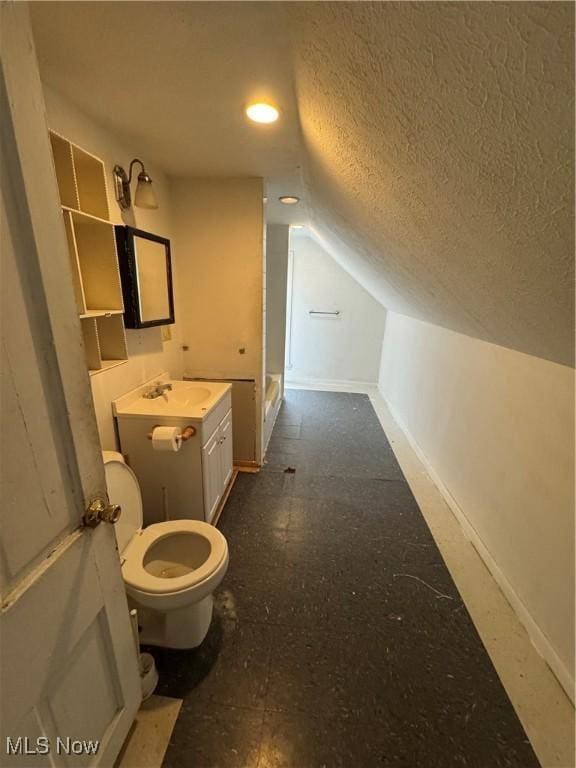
(170, 569)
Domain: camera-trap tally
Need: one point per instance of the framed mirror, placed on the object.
(146, 272)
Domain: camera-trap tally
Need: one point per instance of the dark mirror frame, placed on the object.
(127, 261)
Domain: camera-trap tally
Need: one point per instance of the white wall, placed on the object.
(277, 242)
(346, 348)
(219, 239)
(496, 428)
(148, 354)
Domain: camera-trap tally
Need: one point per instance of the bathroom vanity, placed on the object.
(189, 483)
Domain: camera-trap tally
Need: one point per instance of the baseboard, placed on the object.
(332, 385)
(537, 637)
(247, 466)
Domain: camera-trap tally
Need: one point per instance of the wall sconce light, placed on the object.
(144, 196)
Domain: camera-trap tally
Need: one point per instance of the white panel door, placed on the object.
(212, 475)
(226, 452)
(69, 680)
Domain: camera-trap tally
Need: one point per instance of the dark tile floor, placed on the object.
(339, 637)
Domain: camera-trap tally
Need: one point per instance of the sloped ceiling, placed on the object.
(439, 141)
(435, 139)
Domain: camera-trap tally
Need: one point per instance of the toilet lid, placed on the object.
(123, 489)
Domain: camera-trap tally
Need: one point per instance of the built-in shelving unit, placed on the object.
(93, 258)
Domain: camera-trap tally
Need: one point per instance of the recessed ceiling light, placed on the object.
(289, 199)
(262, 113)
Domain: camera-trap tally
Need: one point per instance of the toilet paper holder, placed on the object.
(187, 432)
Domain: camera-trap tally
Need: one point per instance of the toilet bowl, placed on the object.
(170, 569)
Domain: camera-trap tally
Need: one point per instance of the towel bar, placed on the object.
(320, 312)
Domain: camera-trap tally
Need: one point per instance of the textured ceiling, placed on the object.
(439, 140)
(435, 139)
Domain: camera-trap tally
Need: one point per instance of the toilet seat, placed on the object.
(138, 578)
(135, 542)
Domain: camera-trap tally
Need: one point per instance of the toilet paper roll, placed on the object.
(166, 439)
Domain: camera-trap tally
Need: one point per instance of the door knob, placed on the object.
(100, 511)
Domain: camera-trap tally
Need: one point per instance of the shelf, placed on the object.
(81, 178)
(65, 174)
(92, 249)
(111, 337)
(100, 313)
(83, 216)
(95, 274)
(91, 345)
(90, 183)
(104, 341)
(106, 365)
(75, 265)
(98, 263)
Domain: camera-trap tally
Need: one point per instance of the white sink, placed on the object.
(186, 399)
(182, 396)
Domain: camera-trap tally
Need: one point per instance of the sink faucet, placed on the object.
(157, 390)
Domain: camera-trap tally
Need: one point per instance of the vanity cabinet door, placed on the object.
(212, 475)
(226, 448)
